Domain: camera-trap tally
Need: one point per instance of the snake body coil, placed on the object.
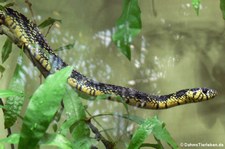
(27, 36)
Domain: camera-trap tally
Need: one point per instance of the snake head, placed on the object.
(210, 93)
(199, 94)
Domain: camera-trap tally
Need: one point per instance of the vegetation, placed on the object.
(78, 130)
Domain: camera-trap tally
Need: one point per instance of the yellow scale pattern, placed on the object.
(26, 39)
(86, 89)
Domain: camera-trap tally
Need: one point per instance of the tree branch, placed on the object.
(98, 136)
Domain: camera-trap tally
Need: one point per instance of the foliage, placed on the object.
(46, 100)
(76, 119)
(196, 5)
(222, 7)
(127, 26)
(14, 104)
(66, 47)
(6, 49)
(151, 126)
(48, 22)
(9, 93)
(2, 1)
(42, 107)
(2, 69)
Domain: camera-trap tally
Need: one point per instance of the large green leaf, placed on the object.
(196, 5)
(127, 26)
(75, 117)
(6, 50)
(14, 104)
(42, 107)
(222, 8)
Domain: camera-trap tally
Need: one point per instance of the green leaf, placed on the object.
(42, 108)
(6, 49)
(2, 69)
(222, 8)
(9, 5)
(14, 104)
(56, 140)
(102, 97)
(85, 143)
(157, 146)
(66, 47)
(12, 139)
(2, 8)
(141, 134)
(127, 26)
(196, 5)
(2, 1)
(48, 22)
(9, 93)
(151, 126)
(75, 116)
(47, 140)
(161, 133)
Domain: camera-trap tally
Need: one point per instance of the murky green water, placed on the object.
(175, 50)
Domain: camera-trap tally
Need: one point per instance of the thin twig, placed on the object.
(91, 116)
(116, 115)
(30, 8)
(49, 28)
(153, 8)
(107, 144)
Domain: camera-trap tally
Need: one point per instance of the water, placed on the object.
(175, 50)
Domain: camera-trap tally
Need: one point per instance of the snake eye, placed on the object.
(206, 91)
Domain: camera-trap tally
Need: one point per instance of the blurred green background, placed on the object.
(176, 49)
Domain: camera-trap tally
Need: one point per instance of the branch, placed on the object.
(98, 136)
(15, 40)
(7, 32)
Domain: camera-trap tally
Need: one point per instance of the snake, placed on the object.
(27, 36)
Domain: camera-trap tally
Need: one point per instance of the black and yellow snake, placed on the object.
(27, 36)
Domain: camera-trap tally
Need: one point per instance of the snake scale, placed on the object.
(26, 35)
